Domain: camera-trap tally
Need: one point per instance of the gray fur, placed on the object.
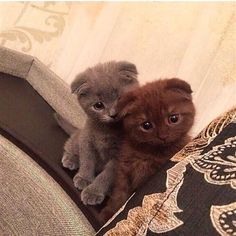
(94, 148)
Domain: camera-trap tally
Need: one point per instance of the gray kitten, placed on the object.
(94, 148)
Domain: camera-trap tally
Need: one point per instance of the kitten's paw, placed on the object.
(69, 161)
(80, 183)
(89, 197)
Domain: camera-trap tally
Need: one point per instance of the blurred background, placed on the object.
(193, 41)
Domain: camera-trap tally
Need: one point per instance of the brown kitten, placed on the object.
(156, 118)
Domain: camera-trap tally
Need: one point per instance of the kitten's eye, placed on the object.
(98, 106)
(146, 125)
(173, 119)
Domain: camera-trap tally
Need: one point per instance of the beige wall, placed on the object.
(193, 41)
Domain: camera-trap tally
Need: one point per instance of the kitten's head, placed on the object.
(99, 88)
(158, 113)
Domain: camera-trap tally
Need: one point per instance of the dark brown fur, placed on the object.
(143, 153)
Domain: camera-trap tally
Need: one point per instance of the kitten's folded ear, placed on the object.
(125, 104)
(180, 86)
(80, 85)
(128, 71)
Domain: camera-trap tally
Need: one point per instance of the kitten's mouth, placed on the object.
(158, 142)
(153, 143)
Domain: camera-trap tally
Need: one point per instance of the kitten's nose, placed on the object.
(162, 137)
(113, 116)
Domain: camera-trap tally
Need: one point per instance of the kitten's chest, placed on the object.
(107, 144)
(105, 140)
(138, 165)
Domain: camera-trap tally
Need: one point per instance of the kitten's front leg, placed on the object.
(87, 158)
(70, 157)
(95, 193)
(119, 196)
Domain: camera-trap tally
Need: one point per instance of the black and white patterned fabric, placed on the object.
(195, 194)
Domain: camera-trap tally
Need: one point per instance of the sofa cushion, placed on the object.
(31, 201)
